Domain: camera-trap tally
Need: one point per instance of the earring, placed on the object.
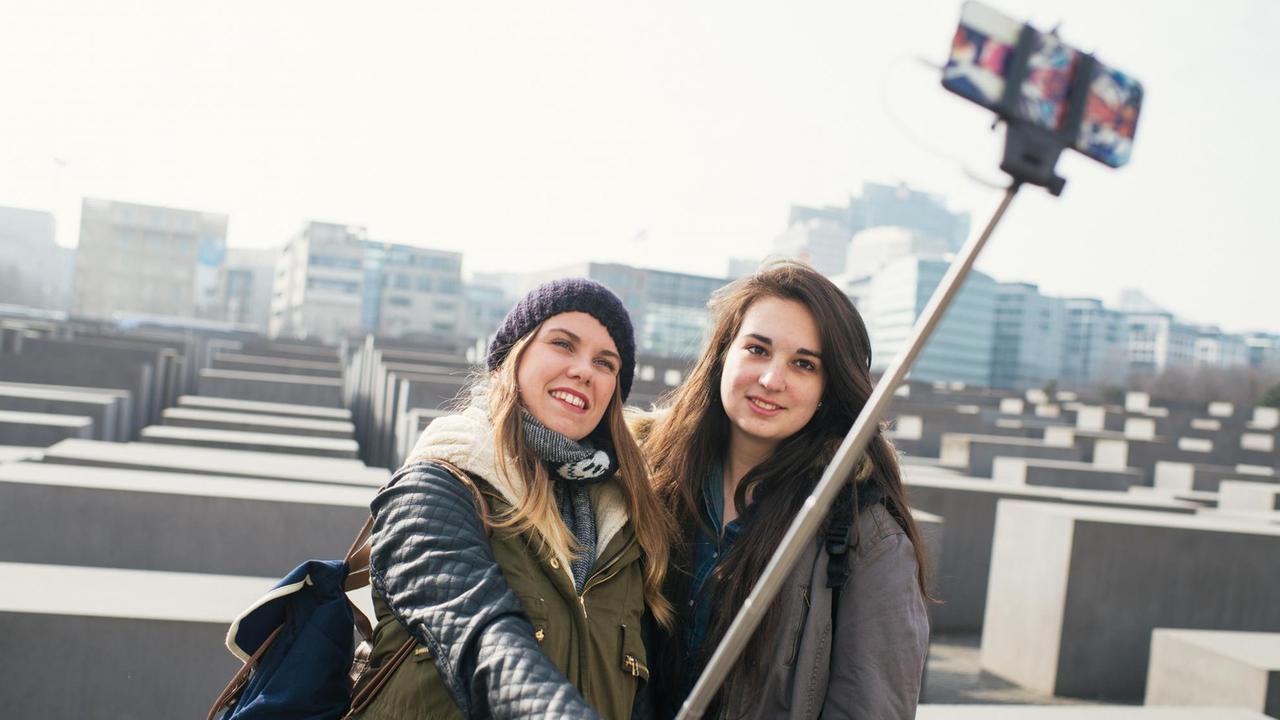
(819, 404)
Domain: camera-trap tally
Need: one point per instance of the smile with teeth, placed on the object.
(570, 398)
(764, 405)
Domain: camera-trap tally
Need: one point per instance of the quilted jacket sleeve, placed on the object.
(432, 564)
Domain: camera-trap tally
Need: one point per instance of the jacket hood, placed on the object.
(466, 439)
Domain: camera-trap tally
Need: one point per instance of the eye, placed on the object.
(562, 343)
(757, 350)
(806, 365)
(607, 365)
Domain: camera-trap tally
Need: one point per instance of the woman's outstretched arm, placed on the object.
(432, 564)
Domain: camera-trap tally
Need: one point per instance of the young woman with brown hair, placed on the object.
(735, 453)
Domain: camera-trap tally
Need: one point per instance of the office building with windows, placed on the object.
(1095, 346)
(1030, 329)
(822, 236)
(150, 260)
(668, 309)
(34, 270)
(893, 298)
(332, 282)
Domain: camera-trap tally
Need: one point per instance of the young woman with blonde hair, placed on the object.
(576, 532)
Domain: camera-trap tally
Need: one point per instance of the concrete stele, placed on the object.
(1206, 668)
(1074, 592)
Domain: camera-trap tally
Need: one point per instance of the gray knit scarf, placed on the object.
(575, 466)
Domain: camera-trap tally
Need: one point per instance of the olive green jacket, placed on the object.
(594, 639)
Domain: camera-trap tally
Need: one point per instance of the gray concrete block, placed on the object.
(105, 644)
(1062, 473)
(252, 441)
(968, 506)
(1249, 496)
(108, 517)
(1075, 592)
(103, 409)
(213, 461)
(977, 453)
(41, 429)
(120, 419)
(257, 423)
(16, 453)
(1206, 668)
(200, 402)
(271, 387)
(1195, 476)
(288, 366)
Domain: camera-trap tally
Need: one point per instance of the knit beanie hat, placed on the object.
(569, 295)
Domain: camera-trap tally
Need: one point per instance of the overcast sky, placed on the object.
(661, 134)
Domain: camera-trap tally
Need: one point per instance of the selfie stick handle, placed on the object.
(807, 521)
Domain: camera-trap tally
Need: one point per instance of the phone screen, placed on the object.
(980, 53)
(1043, 96)
(979, 66)
(1110, 117)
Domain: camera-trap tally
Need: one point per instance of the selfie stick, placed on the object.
(814, 511)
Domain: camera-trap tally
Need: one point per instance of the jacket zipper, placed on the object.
(596, 579)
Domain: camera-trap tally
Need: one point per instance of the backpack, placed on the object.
(836, 534)
(298, 641)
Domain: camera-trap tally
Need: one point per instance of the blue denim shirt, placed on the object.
(707, 552)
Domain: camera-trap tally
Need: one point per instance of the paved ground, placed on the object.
(954, 678)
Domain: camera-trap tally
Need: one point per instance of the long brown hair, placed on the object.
(693, 433)
(538, 510)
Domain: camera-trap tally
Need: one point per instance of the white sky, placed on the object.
(660, 134)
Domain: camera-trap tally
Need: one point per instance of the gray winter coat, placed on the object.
(873, 667)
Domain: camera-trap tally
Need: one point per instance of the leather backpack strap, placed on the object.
(357, 558)
(369, 690)
(231, 693)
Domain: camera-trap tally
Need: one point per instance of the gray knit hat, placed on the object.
(569, 295)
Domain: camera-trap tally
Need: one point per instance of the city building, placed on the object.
(1216, 349)
(893, 298)
(1158, 341)
(1030, 330)
(331, 282)
(150, 260)
(1094, 349)
(34, 270)
(821, 236)
(1262, 350)
(668, 309)
(249, 275)
(821, 239)
(873, 248)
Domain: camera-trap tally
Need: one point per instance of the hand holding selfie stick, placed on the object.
(1032, 148)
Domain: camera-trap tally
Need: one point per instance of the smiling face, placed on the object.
(772, 378)
(568, 372)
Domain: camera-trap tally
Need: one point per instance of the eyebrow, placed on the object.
(574, 337)
(800, 351)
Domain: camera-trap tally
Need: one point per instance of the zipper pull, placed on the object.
(630, 663)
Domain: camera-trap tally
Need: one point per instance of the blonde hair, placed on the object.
(538, 510)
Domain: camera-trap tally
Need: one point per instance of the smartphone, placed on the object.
(980, 53)
(985, 53)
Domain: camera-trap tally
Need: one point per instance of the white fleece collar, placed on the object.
(466, 440)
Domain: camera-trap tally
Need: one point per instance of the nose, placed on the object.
(774, 378)
(580, 369)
